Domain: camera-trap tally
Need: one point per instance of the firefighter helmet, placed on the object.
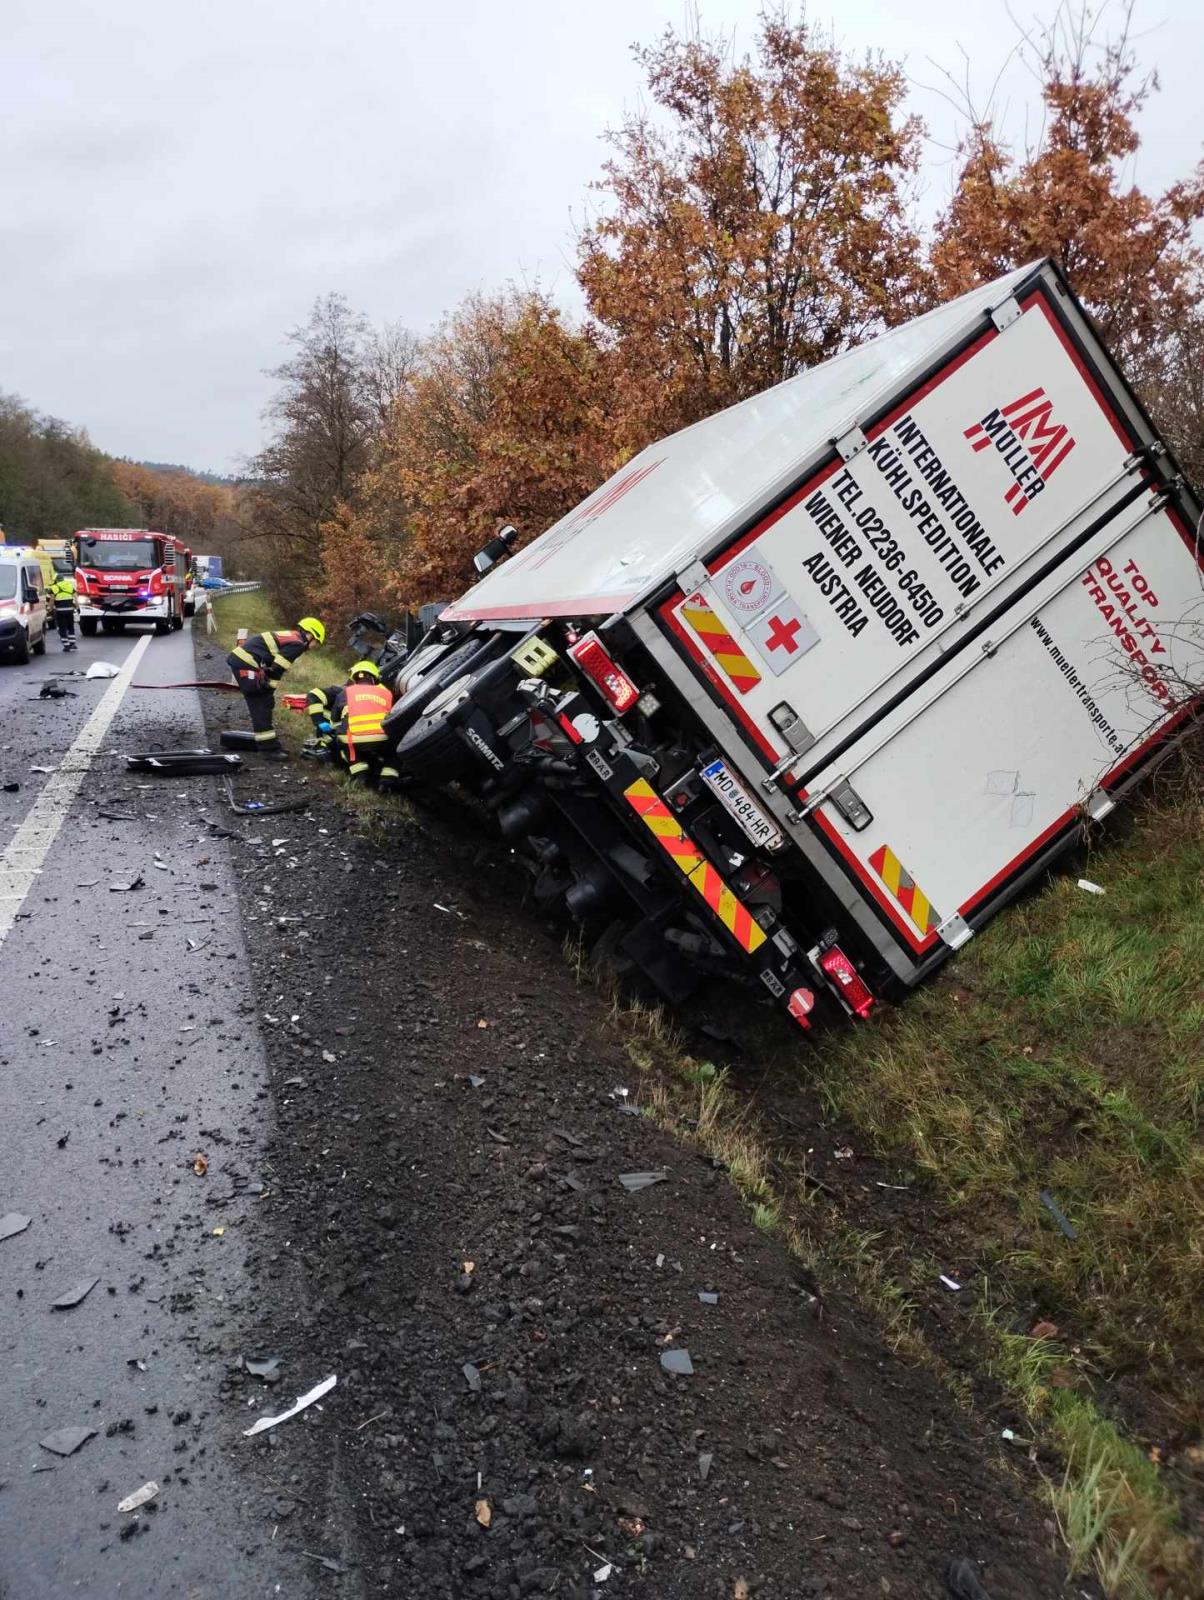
(365, 669)
(314, 628)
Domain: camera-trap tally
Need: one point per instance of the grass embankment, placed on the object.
(257, 613)
(1063, 1052)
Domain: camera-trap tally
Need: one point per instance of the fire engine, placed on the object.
(129, 575)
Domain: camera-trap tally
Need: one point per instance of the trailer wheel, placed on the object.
(432, 748)
(162, 624)
(87, 626)
(414, 702)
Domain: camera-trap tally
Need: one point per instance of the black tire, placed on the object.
(39, 649)
(162, 625)
(87, 626)
(21, 649)
(414, 702)
(189, 609)
(111, 625)
(433, 748)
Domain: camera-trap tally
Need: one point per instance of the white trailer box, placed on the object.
(929, 605)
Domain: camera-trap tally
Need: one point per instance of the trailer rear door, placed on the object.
(977, 614)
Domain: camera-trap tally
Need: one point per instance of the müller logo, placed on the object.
(1031, 443)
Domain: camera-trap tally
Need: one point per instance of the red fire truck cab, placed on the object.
(129, 575)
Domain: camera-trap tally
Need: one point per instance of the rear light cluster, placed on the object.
(847, 981)
(590, 655)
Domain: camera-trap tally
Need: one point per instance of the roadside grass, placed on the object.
(255, 612)
(1063, 1053)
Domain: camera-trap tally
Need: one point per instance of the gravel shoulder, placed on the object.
(451, 1236)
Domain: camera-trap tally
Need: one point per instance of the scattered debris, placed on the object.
(257, 808)
(678, 1362)
(66, 1441)
(498, 1138)
(1059, 1216)
(13, 1223)
(708, 1298)
(183, 763)
(844, 1153)
(102, 669)
(316, 1393)
(961, 1580)
(1043, 1330)
(73, 1296)
(603, 1572)
(950, 1283)
(124, 888)
(705, 1461)
(265, 1367)
(632, 1181)
(475, 1082)
(483, 1513)
(1090, 888)
(55, 691)
(740, 1589)
(329, 1562)
(139, 1497)
(472, 1377)
(44, 770)
(200, 1164)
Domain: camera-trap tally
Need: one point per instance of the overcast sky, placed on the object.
(178, 184)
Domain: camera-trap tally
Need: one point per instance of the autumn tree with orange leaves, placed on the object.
(753, 224)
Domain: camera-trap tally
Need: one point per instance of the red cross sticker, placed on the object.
(782, 635)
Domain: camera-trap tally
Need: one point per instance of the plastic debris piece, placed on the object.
(603, 1572)
(1059, 1216)
(124, 888)
(66, 1441)
(498, 1138)
(102, 669)
(740, 1589)
(328, 1562)
(200, 1164)
(12, 1224)
(632, 1181)
(677, 1362)
(73, 1296)
(44, 770)
(950, 1283)
(472, 1377)
(139, 1497)
(961, 1580)
(475, 1082)
(1090, 888)
(316, 1393)
(265, 1367)
(705, 1462)
(329, 1057)
(707, 1298)
(483, 1513)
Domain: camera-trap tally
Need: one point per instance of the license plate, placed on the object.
(745, 810)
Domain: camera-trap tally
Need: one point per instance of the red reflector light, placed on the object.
(800, 1005)
(847, 981)
(590, 655)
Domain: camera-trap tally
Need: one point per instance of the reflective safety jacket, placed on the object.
(365, 706)
(271, 653)
(62, 591)
(324, 705)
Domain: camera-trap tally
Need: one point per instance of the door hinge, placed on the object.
(955, 931)
(1004, 314)
(850, 444)
(693, 577)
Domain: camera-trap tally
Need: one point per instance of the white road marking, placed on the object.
(30, 845)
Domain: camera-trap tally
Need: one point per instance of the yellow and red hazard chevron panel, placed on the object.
(701, 875)
(905, 889)
(696, 610)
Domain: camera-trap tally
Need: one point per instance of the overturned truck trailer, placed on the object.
(808, 690)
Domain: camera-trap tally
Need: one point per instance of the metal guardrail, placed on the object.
(234, 588)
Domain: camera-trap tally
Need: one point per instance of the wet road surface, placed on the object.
(128, 1047)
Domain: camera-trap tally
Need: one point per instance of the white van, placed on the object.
(22, 604)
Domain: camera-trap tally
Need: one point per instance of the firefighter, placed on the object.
(324, 707)
(363, 742)
(258, 663)
(62, 592)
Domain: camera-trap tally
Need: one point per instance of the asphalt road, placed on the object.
(128, 1046)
